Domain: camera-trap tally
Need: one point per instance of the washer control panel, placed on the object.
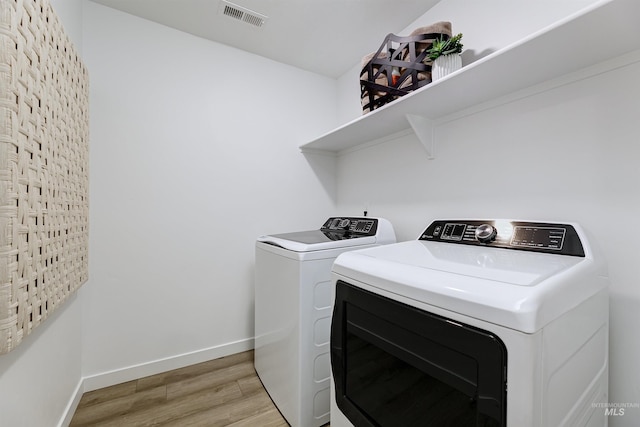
(351, 226)
(554, 238)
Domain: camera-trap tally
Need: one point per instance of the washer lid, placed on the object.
(517, 289)
(316, 240)
(336, 232)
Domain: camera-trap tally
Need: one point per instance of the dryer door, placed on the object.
(395, 365)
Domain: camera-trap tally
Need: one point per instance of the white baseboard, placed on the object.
(118, 376)
(72, 405)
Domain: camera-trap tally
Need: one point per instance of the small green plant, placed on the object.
(445, 47)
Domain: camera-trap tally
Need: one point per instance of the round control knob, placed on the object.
(344, 223)
(486, 233)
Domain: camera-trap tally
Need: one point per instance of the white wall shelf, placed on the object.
(606, 30)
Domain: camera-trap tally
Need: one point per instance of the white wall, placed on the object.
(39, 379)
(568, 153)
(193, 155)
(189, 139)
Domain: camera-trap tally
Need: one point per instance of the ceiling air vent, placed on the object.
(242, 14)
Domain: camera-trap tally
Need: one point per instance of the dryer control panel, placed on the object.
(351, 226)
(553, 238)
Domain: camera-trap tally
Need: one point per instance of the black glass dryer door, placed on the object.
(395, 365)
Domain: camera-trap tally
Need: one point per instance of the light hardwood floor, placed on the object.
(220, 392)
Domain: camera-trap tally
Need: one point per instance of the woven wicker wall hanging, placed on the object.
(44, 176)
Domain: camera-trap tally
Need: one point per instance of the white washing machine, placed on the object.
(293, 311)
(476, 323)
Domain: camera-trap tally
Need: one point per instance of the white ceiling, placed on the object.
(328, 37)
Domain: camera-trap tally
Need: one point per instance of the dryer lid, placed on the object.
(516, 289)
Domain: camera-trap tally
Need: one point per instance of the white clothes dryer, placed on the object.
(476, 323)
(293, 311)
